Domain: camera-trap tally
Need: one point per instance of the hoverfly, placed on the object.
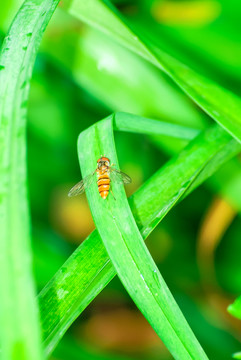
(104, 174)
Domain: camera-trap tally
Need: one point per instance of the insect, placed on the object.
(104, 175)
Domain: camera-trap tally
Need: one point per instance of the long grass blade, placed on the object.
(128, 123)
(89, 269)
(20, 330)
(222, 105)
(135, 267)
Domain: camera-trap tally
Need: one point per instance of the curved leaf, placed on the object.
(127, 122)
(89, 269)
(222, 105)
(135, 267)
(20, 335)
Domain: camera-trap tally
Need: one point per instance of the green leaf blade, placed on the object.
(71, 293)
(222, 105)
(214, 145)
(135, 267)
(128, 123)
(21, 333)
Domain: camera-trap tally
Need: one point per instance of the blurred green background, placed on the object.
(80, 77)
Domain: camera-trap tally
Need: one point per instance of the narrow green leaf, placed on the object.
(128, 122)
(89, 269)
(222, 105)
(143, 87)
(235, 308)
(135, 266)
(105, 17)
(20, 331)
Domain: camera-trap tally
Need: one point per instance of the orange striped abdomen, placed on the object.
(103, 183)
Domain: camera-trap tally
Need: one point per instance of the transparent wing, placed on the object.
(119, 177)
(81, 186)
